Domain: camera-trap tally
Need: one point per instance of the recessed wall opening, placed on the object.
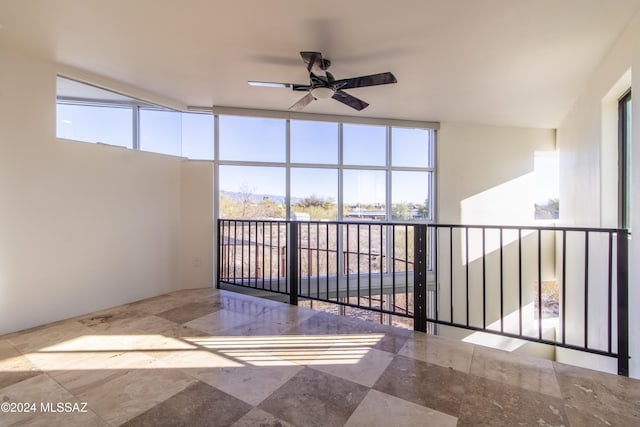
(624, 161)
(610, 152)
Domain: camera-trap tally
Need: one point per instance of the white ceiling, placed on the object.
(506, 62)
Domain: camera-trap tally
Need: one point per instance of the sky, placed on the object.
(316, 143)
(166, 132)
(313, 143)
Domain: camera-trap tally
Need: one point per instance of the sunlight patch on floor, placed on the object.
(140, 351)
(297, 349)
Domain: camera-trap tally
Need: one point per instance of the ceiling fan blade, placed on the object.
(270, 84)
(303, 102)
(314, 62)
(364, 81)
(351, 101)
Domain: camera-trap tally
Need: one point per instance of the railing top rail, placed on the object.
(530, 227)
(435, 225)
(331, 222)
(252, 220)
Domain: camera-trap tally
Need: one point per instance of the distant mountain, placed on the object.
(256, 198)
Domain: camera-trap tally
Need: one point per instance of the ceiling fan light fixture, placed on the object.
(322, 92)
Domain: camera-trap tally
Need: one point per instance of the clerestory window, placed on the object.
(91, 114)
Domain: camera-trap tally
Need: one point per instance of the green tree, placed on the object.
(317, 207)
(423, 210)
(229, 208)
(400, 212)
(314, 201)
(268, 208)
(246, 194)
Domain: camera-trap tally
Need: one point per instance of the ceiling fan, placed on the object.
(322, 84)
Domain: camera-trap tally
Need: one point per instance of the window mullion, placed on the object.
(388, 177)
(287, 190)
(216, 169)
(340, 174)
(135, 112)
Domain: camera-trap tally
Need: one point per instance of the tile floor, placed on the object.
(208, 357)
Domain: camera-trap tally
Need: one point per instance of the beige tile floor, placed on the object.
(209, 357)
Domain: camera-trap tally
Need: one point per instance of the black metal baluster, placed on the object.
(309, 259)
(564, 286)
(318, 261)
(338, 274)
(227, 266)
(249, 247)
(271, 256)
(539, 284)
(609, 293)
(229, 251)
(586, 289)
(220, 255)
(484, 280)
(369, 258)
(347, 266)
(326, 255)
(257, 252)
(393, 265)
(242, 256)
(222, 252)
(235, 250)
(466, 249)
(436, 249)
(279, 257)
(257, 261)
(263, 257)
(406, 269)
(381, 264)
(451, 270)
(294, 271)
(520, 281)
(419, 277)
(358, 261)
(501, 282)
(623, 301)
(249, 255)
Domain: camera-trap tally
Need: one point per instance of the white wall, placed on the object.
(485, 173)
(585, 179)
(486, 176)
(196, 252)
(82, 226)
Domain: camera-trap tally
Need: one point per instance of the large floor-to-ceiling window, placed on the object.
(324, 168)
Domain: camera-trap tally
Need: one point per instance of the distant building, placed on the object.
(367, 213)
(300, 216)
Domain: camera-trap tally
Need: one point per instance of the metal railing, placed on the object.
(361, 265)
(561, 286)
